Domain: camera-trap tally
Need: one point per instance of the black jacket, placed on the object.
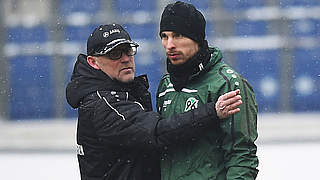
(118, 134)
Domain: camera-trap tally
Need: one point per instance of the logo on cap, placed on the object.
(105, 34)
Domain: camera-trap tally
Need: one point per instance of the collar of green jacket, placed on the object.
(197, 65)
(216, 56)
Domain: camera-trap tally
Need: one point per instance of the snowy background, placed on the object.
(277, 162)
(275, 44)
(288, 148)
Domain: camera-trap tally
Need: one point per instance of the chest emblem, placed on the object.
(191, 103)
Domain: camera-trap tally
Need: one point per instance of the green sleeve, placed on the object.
(240, 133)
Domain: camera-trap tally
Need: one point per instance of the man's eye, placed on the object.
(163, 36)
(115, 53)
(128, 51)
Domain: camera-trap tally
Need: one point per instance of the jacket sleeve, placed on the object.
(240, 133)
(128, 125)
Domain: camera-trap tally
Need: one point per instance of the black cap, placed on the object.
(185, 19)
(106, 37)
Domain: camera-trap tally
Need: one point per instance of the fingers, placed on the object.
(228, 104)
(230, 101)
(229, 95)
(231, 112)
(233, 100)
(233, 105)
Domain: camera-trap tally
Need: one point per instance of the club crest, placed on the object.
(191, 103)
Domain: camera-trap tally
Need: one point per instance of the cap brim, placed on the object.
(119, 43)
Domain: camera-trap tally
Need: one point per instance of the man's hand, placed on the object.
(228, 103)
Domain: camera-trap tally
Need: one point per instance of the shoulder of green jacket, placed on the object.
(164, 78)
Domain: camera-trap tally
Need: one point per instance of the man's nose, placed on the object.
(170, 43)
(125, 58)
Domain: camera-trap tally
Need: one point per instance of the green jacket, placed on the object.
(227, 152)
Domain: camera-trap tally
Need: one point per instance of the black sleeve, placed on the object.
(127, 124)
(186, 126)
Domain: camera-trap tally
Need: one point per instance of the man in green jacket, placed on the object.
(197, 75)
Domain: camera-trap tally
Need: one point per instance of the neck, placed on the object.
(181, 74)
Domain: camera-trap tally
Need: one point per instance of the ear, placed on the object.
(92, 61)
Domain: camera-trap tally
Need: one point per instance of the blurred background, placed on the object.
(275, 44)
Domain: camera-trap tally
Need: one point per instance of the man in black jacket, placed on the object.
(118, 134)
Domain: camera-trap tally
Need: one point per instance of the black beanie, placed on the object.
(183, 18)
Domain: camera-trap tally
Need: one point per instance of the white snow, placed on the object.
(277, 162)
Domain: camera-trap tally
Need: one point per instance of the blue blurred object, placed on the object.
(78, 33)
(305, 27)
(32, 90)
(142, 31)
(262, 70)
(29, 49)
(236, 5)
(250, 28)
(210, 30)
(150, 63)
(200, 5)
(135, 5)
(22, 34)
(302, 3)
(68, 7)
(306, 80)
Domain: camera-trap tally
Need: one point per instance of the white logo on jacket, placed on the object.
(80, 150)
